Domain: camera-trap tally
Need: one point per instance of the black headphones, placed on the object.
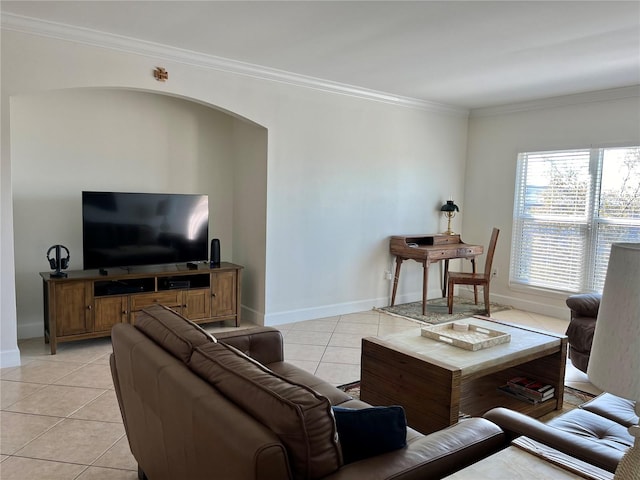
(58, 263)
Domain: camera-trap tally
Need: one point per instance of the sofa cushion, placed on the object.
(593, 427)
(619, 410)
(368, 432)
(300, 417)
(302, 377)
(172, 331)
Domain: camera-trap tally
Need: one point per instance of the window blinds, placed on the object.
(569, 207)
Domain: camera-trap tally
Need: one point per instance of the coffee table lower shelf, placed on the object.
(432, 405)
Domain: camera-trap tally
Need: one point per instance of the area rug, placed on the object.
(576, 397)
(438, 312)
(572, 397)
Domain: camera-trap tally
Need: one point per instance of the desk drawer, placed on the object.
(435, 255)
(469, 251)
(446, 239)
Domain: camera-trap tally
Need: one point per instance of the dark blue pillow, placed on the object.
(368, 432)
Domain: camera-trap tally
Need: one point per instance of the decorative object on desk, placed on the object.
(437, 311)
(614, 362)
(59, 262)
(476, 279)
(449, 210)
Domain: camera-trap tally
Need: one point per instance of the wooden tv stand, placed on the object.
(86, 304)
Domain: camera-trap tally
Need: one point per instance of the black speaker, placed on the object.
(215, 253)
(59, 262)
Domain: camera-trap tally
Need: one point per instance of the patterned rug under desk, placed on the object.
(438, 312)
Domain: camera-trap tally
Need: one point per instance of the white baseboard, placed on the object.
(323, 311)
(546, 309)
(533, 307)
(251, 316)
(346, 308)
(10, 358)
(30, 329)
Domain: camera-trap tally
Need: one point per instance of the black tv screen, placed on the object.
(130, 229)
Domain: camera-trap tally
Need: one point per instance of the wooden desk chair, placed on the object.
(475, 279)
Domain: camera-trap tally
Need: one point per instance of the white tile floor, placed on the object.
(59, 417)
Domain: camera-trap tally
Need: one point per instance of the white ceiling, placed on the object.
(469, 54)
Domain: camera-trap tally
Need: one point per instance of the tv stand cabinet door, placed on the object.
(73, 307)
(109, 311)
(223, 293)
(197, 304)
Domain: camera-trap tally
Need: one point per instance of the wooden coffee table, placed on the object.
(436, 382)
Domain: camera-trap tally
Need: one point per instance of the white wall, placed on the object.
(342, 179)
(343, 173)
(496, 136)
(67, 141)
(250, 215)
(9, 353)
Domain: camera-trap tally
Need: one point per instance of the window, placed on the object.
(569, 207)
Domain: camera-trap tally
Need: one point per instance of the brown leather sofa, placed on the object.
(584, 313)
(596, 433)
(197, 407)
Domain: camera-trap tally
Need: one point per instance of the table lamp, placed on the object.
(449, 210)
(614, 363)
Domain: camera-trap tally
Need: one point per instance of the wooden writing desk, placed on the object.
(428, 249)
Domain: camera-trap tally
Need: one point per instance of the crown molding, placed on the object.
(81, 35)
(562, 101)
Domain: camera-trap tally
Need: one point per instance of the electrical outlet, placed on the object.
(388, 275)
(494, 273)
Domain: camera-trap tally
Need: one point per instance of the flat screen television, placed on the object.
(131, 229)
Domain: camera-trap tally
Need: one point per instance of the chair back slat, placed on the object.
(490, 251)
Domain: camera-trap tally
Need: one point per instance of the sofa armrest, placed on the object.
(263, 344)
(430, 456)
(516, 424)
(584, 304)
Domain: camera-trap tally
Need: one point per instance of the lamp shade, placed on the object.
(449, 207)
(614, 363)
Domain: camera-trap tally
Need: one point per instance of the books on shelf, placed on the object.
(516, 394)
(528, 390)
(532, 388)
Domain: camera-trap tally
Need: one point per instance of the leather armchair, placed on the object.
(584, 312)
